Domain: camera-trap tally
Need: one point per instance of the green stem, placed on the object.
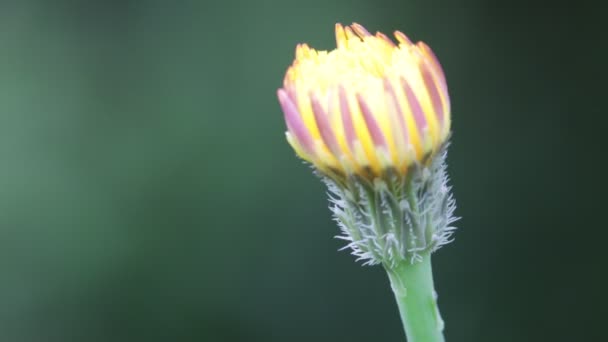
(417, 300)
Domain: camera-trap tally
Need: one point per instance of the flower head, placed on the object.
(373, 116)
(368, 106)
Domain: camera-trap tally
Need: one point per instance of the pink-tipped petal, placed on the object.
(436, 66)
(385, 38)
(294, 122)
(415, 107)
(350, 34)
(433, 90)
(360, 30)
(390, 90)
(324, 125)
(347, 119)
(372, 126)
(402, 38)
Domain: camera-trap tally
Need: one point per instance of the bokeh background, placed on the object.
(147, 192)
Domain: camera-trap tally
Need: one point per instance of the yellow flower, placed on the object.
(367, 106)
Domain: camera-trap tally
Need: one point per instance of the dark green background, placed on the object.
(147, 192)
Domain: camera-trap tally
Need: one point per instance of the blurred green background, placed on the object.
(147, 192)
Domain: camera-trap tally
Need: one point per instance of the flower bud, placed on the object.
(373, 117)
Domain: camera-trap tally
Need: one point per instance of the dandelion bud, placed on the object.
(373, 118)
